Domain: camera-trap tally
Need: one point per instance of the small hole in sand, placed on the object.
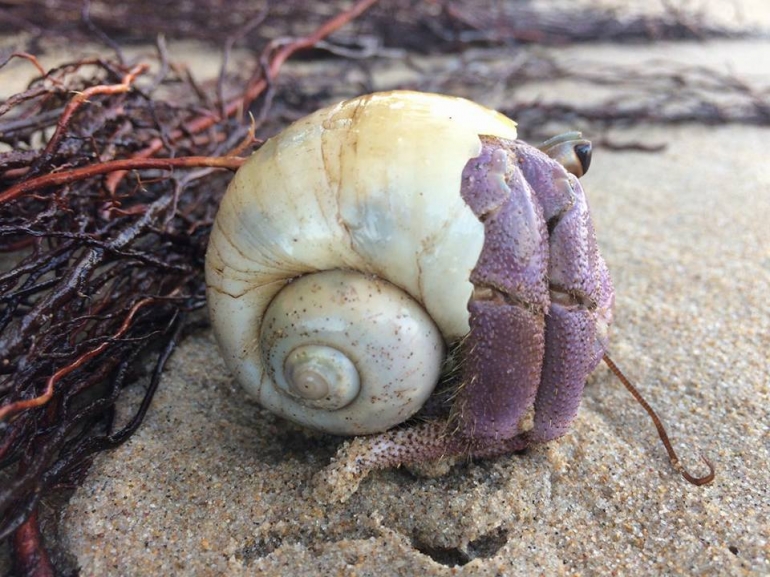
(484, 547)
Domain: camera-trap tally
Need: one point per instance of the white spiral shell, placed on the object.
(372, 186)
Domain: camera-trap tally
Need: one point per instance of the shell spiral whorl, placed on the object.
(368, 190)
(355, 346)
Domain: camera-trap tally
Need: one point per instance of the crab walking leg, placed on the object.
(358, 457)
(569, 342)
(421, 443)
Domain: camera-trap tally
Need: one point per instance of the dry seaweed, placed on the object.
(655, 93)
(108, 221)
(432, 26)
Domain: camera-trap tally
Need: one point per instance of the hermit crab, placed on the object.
(399, 240)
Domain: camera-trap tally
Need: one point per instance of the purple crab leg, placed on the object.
(418, 444)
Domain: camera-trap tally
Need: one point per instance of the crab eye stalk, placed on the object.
(583, 152)
(570, 150)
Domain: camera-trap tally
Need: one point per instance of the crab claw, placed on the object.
(543, 300)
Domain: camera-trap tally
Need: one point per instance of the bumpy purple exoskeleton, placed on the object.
(542, 300)
(539, 315)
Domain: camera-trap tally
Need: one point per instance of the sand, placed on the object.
(211, 484)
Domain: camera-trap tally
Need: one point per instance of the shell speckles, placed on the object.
(361, 341)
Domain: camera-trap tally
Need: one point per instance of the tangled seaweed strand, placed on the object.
(420, 26)
(115, 169)
(659, 93)
(102, 278)
(110, 242)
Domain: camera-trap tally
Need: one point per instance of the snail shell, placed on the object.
(339, 261)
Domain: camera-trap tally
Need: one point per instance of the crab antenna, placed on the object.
(661, 430)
